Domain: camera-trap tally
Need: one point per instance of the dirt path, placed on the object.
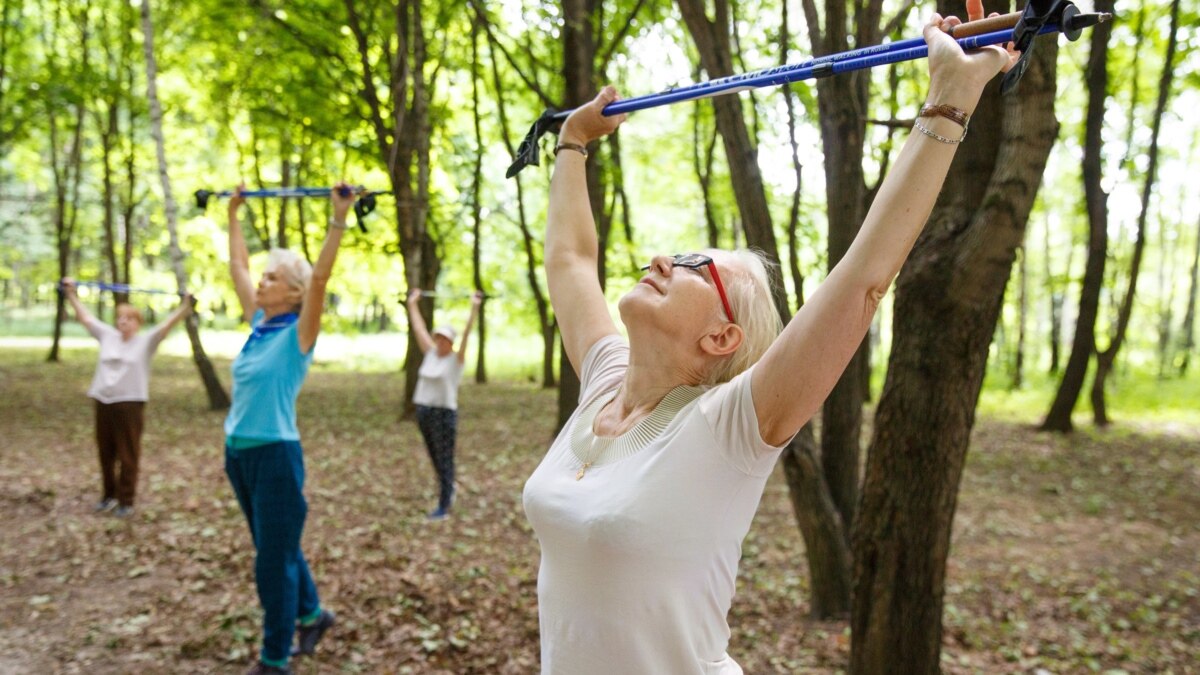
(1070, 554)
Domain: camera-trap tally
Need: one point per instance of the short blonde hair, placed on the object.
(126, 308)
(749, 289)
(292, 269)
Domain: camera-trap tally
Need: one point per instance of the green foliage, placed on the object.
(254, 90)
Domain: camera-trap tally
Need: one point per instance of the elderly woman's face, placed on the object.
(687, 297)
(128, 322)
(274, 291)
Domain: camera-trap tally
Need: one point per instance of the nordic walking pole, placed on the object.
(120, 288)
(1039, 17)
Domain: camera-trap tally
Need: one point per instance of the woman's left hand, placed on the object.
(956, 77)
(343, 198)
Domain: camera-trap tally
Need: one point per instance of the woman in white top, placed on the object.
(121, 387)
(436, 395)
(643, 500)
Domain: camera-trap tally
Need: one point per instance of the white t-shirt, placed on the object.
(437, 380)
(123, 370)
(640, 555)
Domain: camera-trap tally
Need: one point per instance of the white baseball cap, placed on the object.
(445, 331)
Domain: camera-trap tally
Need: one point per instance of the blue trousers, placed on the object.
(439, 427)
(269, 483)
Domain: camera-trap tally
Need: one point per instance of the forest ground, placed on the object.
(1071, 554)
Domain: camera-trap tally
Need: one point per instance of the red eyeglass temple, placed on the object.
(721, 291)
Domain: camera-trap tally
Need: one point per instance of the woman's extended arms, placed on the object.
(572, 251)
(797, 373)
(239, 258)
(308, 326)
(416, 322)
(476, 301)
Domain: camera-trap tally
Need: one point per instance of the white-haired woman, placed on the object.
(642, 502)
(263, 457)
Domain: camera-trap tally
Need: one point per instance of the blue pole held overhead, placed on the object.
(1039, 17)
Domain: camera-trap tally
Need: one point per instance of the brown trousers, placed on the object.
(119, 438)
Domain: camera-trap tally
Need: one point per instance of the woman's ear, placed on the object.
(723, 341)
(296, 296)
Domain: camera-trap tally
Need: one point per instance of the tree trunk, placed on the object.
(1084, 343)
(476, 207)
(948, 299)
(545, 320)
(1018, 377)
(825, 545)
(579, 76)
(1187, 330)
(67, 177)
(1105, 359)
(217, 398)
(842, 106)
(829, 569)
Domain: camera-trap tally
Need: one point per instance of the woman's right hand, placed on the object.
(586, 124)
(956, 77)
(236, 200)
(414, 296)
(68, 286)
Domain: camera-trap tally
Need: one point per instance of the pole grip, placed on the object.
(988, 25)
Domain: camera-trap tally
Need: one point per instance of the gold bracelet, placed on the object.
(571, 146)
(936, 136)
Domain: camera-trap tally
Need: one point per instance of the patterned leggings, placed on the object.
(439, 427)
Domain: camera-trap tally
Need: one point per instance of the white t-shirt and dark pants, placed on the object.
(641, 535)
(120, 387)
(436, 400)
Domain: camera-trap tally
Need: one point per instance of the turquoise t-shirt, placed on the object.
(267, 376)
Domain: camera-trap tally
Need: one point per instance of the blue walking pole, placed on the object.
(362, 207)
(120, 288)
(1038, 18)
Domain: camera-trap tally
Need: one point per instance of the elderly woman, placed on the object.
(436, 395)
(642, 502)
(263, 457)
(121, 387)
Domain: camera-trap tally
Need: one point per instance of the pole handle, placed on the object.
(988, 25)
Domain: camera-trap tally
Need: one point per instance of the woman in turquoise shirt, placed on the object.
(263, 457)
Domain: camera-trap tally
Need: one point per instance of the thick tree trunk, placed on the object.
(217, 398)
(842, 106)
(1084, 343)
(828, 564)
(826, 547)
(579, 76)
(1105, 359)
(948, 299)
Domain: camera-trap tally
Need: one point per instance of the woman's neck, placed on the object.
(272, 312)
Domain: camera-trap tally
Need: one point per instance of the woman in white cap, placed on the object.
(436, 396)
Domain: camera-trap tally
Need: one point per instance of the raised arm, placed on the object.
(186, 304)
(239, 258)
(476, 301)
(572, 251)
(309, 323)
(416, 322)
(800, 369)
(82, 315)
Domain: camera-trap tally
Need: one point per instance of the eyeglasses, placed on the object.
(695, 261)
